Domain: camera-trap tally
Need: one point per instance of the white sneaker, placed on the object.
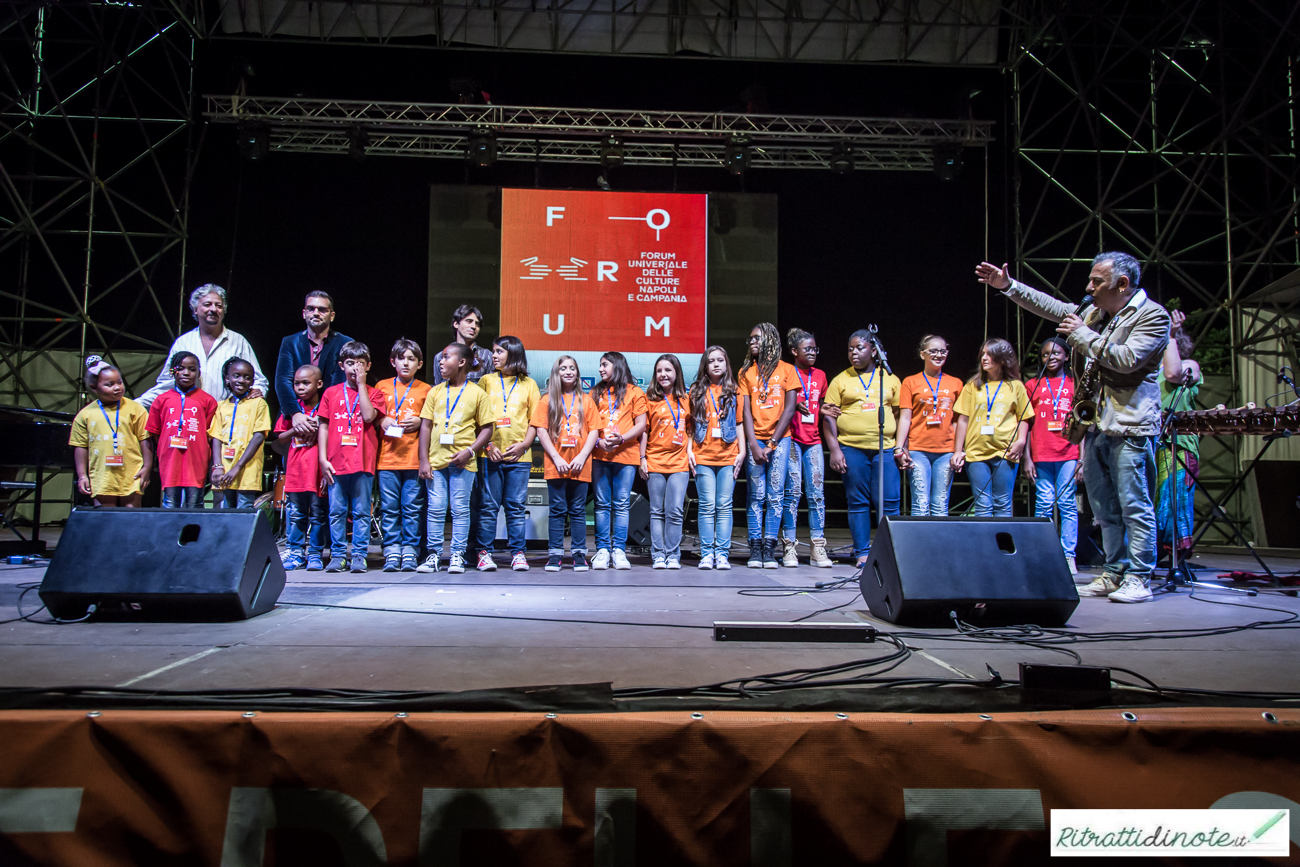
(720, 561)
(674, 563)
(1102, 585)
(706, 562)
(657, 563)
(1069, 561)
(519, 562)
(619, 557)
(601, 560)
(430, 564)
(1132, 590)
(485, 562)
(457, 563)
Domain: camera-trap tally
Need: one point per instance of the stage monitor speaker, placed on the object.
(164, 564)
(990, 571)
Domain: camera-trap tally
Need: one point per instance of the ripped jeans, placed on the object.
(807, 467)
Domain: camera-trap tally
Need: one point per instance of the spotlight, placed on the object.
(947, 161)
(358, 139)
(842, 158)
(611, 152)
(254, 140)
(482, 148)
(601, 182)
(737, 155)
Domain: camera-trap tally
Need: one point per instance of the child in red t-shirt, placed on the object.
(807, 462)
(348, 447)
(179, 420)
(304, 506)
(1051, 460)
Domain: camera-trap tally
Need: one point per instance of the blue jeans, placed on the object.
(225, 499)
(931, 478)
(503, 484)
(807, 467)
(667, 512)
(350, 496)
(1055, 487)
(399, 510)
(181, 498)
(992, 482)
(767, 489)
(861, 487)
(613, 483)
(715, 487)
(1120, 474)
(305, 516)
(567, 498)
(450, 487)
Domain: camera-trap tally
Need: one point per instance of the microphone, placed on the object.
(1187, 376)
(1087, 299)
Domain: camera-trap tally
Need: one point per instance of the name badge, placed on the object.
(299, 444)
(869, 406)
(677, 439)
(986, 430)
(228, 453)
(504, 421)
(933, 420)
(715, 432)
(113, 460)
(610, 431)
(806, 417)
(446, 439)
(394, 430)
(180, 443)
(348, 439)
(568, 442)
(1054, 425)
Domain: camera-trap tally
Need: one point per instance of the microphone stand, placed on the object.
(883, 361)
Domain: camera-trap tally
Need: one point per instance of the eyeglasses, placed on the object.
(936, 352)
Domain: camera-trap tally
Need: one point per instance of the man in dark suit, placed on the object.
(318, 344)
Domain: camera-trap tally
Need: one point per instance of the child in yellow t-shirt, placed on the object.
(503, 474)
(456, 423)
(110, 445)
(993, 414)
(238, 430)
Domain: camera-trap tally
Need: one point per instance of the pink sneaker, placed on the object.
(485, 562)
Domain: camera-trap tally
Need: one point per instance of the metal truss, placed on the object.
(96, 116)
(1165, 129)
(954, 32)
(648, 138)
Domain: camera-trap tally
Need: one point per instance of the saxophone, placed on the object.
(1083, 415)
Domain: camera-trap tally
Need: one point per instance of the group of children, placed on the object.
(466, 446)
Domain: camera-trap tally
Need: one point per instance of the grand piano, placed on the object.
(36, 438)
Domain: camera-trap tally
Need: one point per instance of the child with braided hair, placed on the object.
(768, 390)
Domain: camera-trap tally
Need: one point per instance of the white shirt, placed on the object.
(229, 345)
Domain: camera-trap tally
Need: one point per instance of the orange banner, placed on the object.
(221, 788)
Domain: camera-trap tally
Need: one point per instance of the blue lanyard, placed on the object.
(234, 414)
(451, 407)
(567, 406)
(505, 398)
(717, 413)
(675, 413)
(612, 402)
(1056, 398)
(988, 414)
(350, 408)
(934, 389)
(309, 413)
(399, 403)
(115, 423)
(180, 422)
(866, 386)
(807, 398)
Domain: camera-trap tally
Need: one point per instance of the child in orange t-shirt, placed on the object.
(927, 429)
(622, 410)
(666, 461)
(717, 454)
(567, 424)
(399, 458)
(768, 392)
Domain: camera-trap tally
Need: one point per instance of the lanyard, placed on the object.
(717, 413)
(934, 389)
(612, 402)
(350, 408)
(399, 403)
(234, 414)
(505, 398)
(675, 413)
(180, 421)
(309, 413)
(866, 386)
(807, 398)
(988, 413)
(115, 423)
(451, 407)
(1056, 398)
(568, 406)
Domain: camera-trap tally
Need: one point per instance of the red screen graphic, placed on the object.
(598, 271)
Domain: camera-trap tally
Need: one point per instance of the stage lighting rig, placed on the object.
(482, 148)
(611, 152)
(737, 155)
(254, 140)
(947, 161)
(841, 160)
(358, 139)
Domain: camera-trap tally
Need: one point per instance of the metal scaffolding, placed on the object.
(96, 155)
(1165, 129)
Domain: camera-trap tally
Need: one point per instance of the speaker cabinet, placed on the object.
(164, 564)
(990, 571)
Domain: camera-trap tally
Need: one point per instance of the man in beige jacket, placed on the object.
(1126, 332)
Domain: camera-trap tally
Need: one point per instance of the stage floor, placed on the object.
(432, 643)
